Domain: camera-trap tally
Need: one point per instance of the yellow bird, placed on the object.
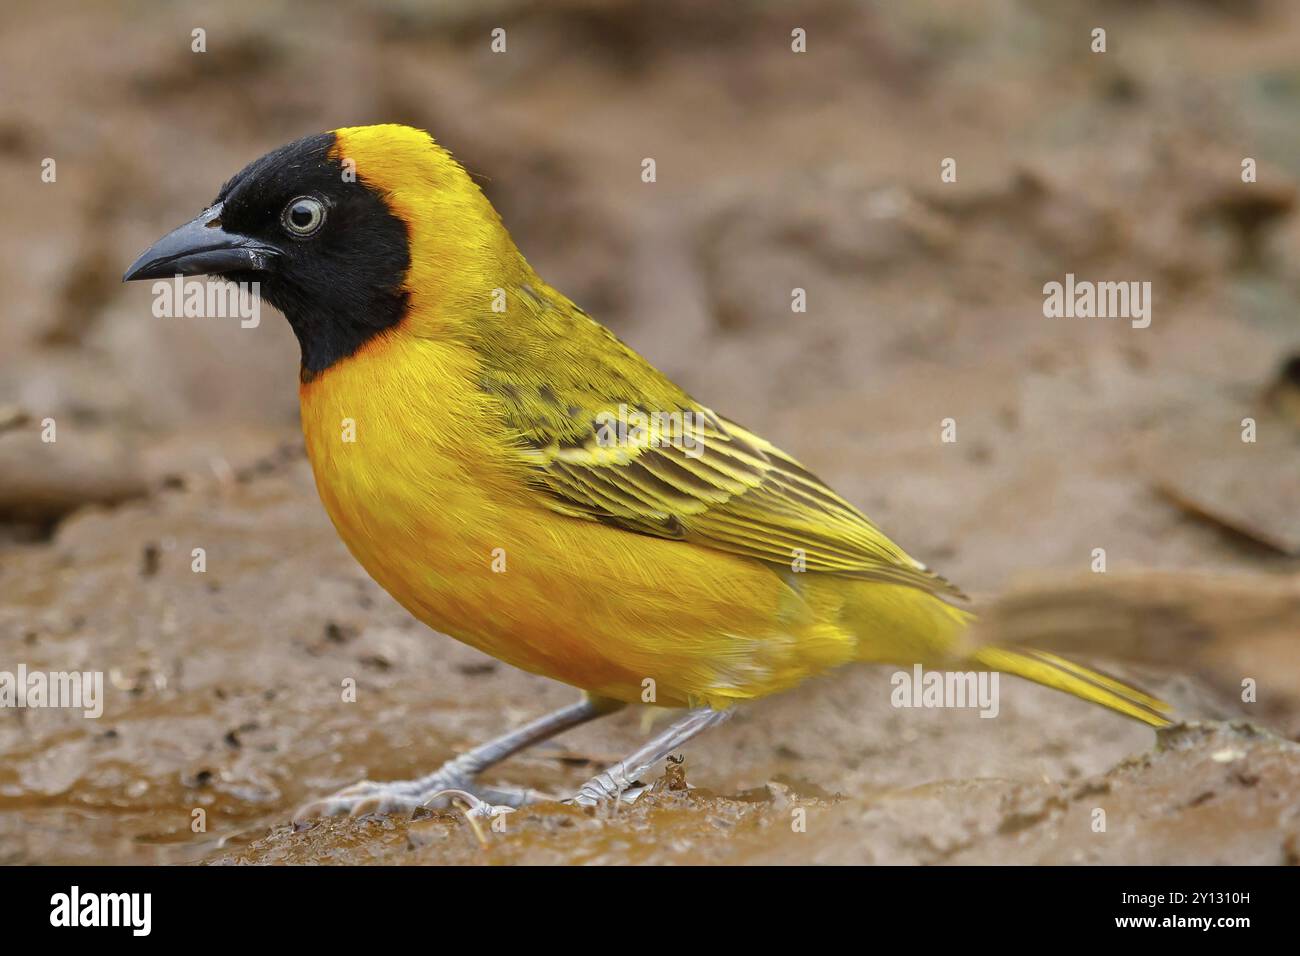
(518, 478)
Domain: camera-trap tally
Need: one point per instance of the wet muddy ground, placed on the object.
(224, 688)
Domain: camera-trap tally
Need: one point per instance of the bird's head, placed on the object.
(352, 234)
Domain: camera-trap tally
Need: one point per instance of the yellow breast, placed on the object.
(418, 477)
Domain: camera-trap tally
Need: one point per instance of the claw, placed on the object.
(594, 795)
(406, 796)
(355, 802)
(477, 807)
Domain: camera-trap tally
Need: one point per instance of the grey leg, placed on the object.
(618, 778)
(457, 774)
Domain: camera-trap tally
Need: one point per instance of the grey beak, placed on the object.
(202, 247)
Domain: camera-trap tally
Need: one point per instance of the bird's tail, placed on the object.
(1061, 674)
(906, 624)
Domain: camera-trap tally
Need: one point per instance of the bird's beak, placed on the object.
(202, 247)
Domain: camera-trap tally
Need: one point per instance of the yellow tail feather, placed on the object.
(1061, 674)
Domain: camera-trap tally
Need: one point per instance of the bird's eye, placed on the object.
(303, 216)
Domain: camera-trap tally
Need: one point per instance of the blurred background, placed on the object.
(775, 170)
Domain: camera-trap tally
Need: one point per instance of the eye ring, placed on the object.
(303, 216)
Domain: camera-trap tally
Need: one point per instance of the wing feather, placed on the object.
(712, 482)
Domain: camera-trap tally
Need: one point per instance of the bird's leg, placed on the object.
(457, 774)
(613, 783)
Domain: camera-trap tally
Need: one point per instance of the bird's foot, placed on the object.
(621, 782)
(438, 790)
(612, 786)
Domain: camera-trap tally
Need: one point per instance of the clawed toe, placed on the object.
(357, 800)
(595, 793)
(407, 796)
(476, 807)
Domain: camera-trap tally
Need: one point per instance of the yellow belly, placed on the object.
(428, 499)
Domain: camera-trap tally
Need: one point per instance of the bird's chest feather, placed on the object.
(410, 470)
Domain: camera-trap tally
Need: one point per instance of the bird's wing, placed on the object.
(687, 474)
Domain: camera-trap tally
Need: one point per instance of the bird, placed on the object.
(518, 478)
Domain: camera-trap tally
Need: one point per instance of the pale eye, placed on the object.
(303, 216)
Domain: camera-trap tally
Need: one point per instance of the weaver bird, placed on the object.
(704, 560)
